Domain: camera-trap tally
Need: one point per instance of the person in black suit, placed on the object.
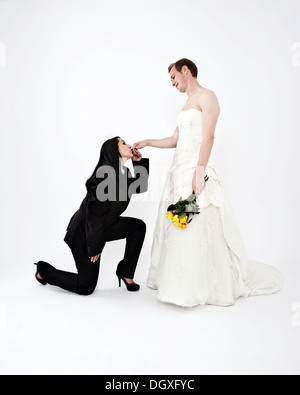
(98, 220)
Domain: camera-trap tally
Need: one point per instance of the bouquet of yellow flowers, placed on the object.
(181, 211)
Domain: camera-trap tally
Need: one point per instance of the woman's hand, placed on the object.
(198, 181)
(136, 155)
(94, 258)
(138, 145)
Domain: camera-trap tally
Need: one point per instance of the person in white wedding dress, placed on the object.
(206, 262)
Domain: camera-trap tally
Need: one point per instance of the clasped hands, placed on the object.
(136, 154)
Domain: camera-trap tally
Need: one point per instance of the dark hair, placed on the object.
(184, 62)
(109, 155)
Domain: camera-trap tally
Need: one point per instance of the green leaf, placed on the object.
(183, 207)
(182, 215)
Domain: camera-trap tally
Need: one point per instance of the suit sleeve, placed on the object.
(141, 175)
(96, 213)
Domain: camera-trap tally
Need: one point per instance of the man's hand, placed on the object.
(138, 145)
(94, 258)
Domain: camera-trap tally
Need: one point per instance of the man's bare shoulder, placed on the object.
(208, 99)
(206, 94)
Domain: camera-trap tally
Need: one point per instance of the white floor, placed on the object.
(45, 330)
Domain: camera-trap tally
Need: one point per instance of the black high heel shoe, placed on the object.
(40, 280)
(130, 287)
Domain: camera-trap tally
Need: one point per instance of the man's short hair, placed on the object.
(184, 62)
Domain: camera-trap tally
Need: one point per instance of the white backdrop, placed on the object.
(74, 73)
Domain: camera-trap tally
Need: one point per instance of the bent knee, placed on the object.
(141, 226)
(86, 290)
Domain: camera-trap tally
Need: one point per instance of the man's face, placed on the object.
(178, 79)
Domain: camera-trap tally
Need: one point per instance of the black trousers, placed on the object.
(85, 280)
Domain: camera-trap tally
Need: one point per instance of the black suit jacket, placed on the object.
(85, 231)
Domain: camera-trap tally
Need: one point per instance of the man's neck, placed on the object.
(193, 88)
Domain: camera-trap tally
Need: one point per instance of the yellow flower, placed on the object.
(183, 226)
(183, 220)
(175, 218)
(169, 214)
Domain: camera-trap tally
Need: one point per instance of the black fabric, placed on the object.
(85, 281)
(97, 222)
(87, 226)
(109, 155)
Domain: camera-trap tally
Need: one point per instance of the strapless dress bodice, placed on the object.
(189, 124)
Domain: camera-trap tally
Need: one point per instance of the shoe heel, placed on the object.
(41, 281)
(130, 287)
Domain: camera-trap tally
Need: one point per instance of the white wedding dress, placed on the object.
(205, 263)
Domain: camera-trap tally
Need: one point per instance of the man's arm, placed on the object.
(168, 142)
(210, 114)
